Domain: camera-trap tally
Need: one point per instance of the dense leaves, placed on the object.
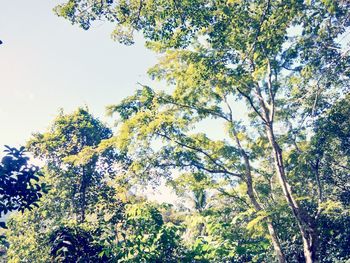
(73, 245)
(19, 187)
(252, 135)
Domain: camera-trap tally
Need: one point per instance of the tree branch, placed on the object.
(223, 168)
(250, 100)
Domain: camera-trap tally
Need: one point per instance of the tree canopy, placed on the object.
(271, 184)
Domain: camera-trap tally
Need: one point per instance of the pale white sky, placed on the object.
(47, 64)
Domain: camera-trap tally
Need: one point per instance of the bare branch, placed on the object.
(213, 160)
(271, 93)
(250, 100)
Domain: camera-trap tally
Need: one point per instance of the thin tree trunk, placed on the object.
(307, 230)
(274, 238)
(250, 191)
(304, 221)
(275, 241)
(82, 197)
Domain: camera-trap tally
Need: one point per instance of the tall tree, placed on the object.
(57, 230)
(285, 59)
(69, 135)
(82, 218)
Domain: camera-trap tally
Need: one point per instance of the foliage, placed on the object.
(147, 238)
(271, 184)
(73, 245)
(19, 187)
(99, 228)
(283, 59)
(69, 135)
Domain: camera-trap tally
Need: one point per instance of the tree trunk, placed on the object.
(250, 191)
(82, 193)
(306, 228)
(304, 221)
(275, 241)
(274, 238)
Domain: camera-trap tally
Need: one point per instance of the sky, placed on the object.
(47, 64)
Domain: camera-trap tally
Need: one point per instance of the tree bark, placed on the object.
(250, 192)
(304, 221)
(82, 193)
(274, 238)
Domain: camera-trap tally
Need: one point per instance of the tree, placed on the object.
(147, 238)
(83, 217)
(69, 135)
(283, 58)
(78, 187)
(19, 187)
(218, 160)
(328, 162)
